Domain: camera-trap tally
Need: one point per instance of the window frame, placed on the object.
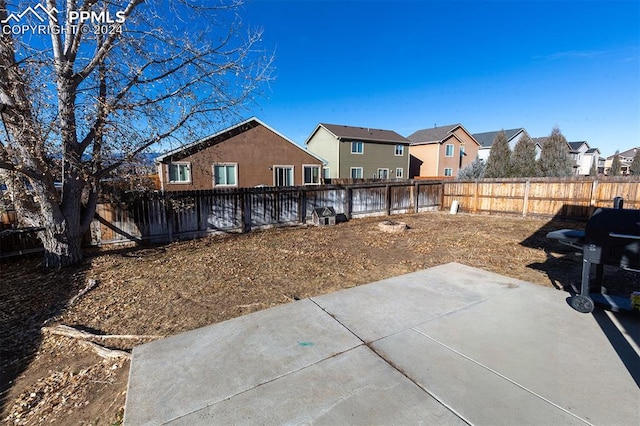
(450, 169)
(304, 174)
(352, 169)
(399, 148)
(382, 169)
(283, 167)
(225, 165)
(357, 143)
(179, 163)
(399, 175)
(446, 150)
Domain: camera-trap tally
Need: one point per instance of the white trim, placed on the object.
(401, 173)
(224, 185)
(357, 153)
(179, 182)
(453, 150)
(284, 166)
(395, 152)
(319, 167)
(351, 169)
(445, 171)
(383, 168)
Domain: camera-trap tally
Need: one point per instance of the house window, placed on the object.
(283, 175)
(448, 150)
(399, 150)
(383, 173)
(225, 174)
(326, 173)
(448, 171)
(399, 173)
(356, 172)
(311, 175)
(357, 147)
(179, 173)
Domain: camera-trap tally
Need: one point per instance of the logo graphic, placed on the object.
(51, 13)
(77, 21)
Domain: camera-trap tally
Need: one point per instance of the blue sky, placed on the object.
(489, 65)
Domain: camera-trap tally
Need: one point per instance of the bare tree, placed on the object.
(99, 78)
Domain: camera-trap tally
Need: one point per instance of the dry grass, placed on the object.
(178, 287)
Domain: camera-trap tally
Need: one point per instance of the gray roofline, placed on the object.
(171, 153)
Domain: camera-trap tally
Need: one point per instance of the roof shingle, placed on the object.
(486, 139)
(365, 134)
(435, 134)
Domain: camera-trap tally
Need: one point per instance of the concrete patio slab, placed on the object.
(373, 311)
(478, 394)
(354, 387)
(181, 374)
(439, 346)
(545, 348)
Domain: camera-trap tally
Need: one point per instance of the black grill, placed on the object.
(611, 237)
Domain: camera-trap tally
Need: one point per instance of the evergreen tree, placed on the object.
(473, 171)
(554, 157)
(499, 162)
(635, 164)
(523, 158)
(616, 167)
(593, 171)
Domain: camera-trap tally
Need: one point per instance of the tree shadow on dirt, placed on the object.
(30, 295)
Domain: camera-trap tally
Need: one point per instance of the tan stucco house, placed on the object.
(360, 152)
(248, 154)
(441, 151)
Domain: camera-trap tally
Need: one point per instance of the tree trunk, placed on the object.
(62, 240)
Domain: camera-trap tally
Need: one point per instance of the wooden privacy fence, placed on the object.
(160, 217)
(559, 197)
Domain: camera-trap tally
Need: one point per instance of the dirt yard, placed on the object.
(143, 294)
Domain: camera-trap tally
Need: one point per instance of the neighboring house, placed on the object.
(601, 163)
(626, 158)
(513, 136)
(245, 155)
(360, 152)
(441, 151)
(583, 157)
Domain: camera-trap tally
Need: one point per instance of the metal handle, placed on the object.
(631, 237)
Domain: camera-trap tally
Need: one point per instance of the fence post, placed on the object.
(525, 207)
(302, 206)
(245, 206)
(416, 197)
(593, 197)
(168, 207)
(349, 202)
(475, 196)
(387, 202)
